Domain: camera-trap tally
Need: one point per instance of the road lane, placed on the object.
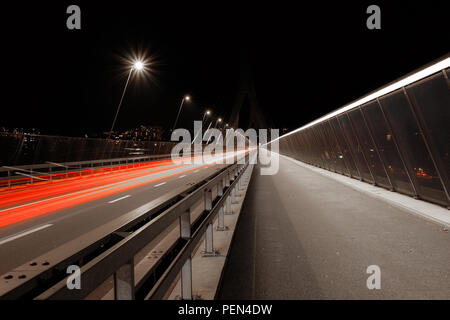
(76, 219)
(23, 233)
(69, 223)
(33, 193)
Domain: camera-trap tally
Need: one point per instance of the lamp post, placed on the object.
(206, 113)
(138, 66)
(187, 98)
(219, 120)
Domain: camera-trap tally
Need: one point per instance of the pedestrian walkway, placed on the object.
(302, 235)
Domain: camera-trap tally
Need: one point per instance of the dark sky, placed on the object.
(306, 59)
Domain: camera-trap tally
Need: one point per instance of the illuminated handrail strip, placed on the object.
(423, 73)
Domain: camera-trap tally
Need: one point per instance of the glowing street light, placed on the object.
(207, 113)
(138, 66)
(218, 120)
(187, 98)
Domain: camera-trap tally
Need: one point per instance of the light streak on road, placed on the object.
(40, 199)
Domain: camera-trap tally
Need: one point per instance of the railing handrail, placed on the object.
(77, 163)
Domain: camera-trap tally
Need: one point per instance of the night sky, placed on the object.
(306, 59)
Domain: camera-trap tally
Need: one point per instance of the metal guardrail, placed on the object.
(45, 277)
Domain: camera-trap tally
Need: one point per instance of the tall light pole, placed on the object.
(187, 98)
(219, 120)
(206, 113)
(138, 66)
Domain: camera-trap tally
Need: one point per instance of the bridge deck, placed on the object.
(302, 235)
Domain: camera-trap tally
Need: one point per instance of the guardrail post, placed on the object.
(234, 192)
(209, 239)
(220, 188)
(208, 200)
(228, 209)
(186, 270)
(221, 220)
(209, 249)
(9, 179)
(124, 282)
(186, 280)
(185, 225)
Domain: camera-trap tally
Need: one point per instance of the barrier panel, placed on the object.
(397, 137)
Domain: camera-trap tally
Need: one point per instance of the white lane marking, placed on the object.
(160, 184)
(21, 234)
(182, 176)
(127, 196)
(196, 170)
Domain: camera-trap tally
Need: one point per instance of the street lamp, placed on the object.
(187, 98)
(219, 120)
(138, 66)
(207, 113)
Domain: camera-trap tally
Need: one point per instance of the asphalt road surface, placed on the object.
(305, 236)
(42, 217)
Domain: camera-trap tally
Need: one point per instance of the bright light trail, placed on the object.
(20, 205)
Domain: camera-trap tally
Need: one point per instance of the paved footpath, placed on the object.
(302, 235)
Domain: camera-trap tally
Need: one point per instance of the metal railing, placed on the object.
(23, 148)
(112, 253)
(396, 137)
